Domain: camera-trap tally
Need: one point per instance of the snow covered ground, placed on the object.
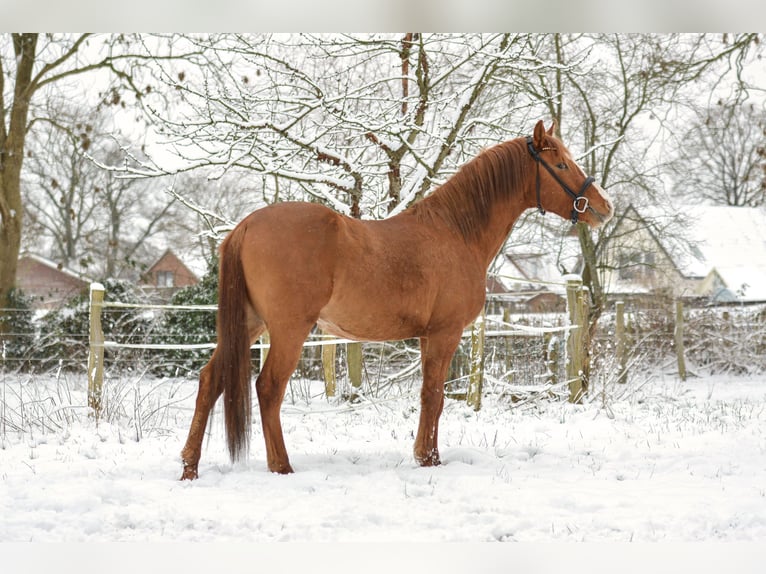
(668, 461)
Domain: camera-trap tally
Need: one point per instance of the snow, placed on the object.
(670, 461)
(731, 242)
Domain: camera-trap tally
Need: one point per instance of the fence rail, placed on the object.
(572, 357)
(520, 349)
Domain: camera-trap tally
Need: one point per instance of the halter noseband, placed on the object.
(580, 203)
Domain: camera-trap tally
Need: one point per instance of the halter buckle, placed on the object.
(580, 204)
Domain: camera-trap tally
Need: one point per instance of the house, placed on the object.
(50, 284)
(46, 282)
(715, 253)
(712, 254)
(529, 277)
(168, 274)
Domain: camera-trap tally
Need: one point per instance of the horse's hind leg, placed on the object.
(209, 392)
(207, 395)
(284, 353)
(436, 353)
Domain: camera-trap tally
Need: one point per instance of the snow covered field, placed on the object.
(668, 461)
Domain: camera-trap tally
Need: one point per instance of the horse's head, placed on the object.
(561, 186)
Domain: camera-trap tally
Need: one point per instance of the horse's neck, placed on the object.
(483, 240)
(483, 200)
(489, 242)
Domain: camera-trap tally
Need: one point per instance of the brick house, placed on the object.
(168, 274)
(46, 282)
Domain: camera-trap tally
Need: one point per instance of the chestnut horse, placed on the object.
(421, 273)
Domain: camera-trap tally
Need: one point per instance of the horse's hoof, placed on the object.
(190, 472)
(431, 459)
(281, 469)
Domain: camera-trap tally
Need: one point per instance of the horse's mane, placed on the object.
(465, 200)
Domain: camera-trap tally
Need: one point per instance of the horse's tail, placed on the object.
(232, 367)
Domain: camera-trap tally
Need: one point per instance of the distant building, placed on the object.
(528, 278)
(717, 254)
(721, 256)
(167, 275)
(48, 283)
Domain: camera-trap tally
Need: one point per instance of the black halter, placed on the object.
(580, 203)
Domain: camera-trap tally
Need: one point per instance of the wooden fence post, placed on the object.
(354, 360)
(95, 350)
(476, 378)
(265, 340)
(622, 342)
(577, 338)
(583, 315)
(508, 339)
(552, 357)
(679, 339)
(329, 352)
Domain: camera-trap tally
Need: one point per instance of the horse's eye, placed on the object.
(562, 165)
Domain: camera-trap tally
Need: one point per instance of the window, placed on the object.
(637, 265)
(165, 279)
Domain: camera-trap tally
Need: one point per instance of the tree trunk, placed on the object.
(592, 281)
(11, 159)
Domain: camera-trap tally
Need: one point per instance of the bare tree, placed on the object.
(722, 155)
(35, 67)
(59, 212)
(364, 124)
(213, 205)
(603, 92)
(93, 220)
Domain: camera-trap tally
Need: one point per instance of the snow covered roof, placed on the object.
(724, 236)
(717, 245)
(722, 248)
(521, 266)
(57, 266)
(731, 241)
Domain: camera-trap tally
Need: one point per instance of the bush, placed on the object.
(189, 327)
(17, 331)
(65, 331)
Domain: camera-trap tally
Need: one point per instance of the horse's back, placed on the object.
(372, 280)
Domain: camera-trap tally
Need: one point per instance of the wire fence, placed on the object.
(717, 339)
(522, 350)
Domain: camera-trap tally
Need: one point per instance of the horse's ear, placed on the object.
(552, 129)
(538, 136)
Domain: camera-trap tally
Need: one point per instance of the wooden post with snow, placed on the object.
(329, 351)
(679, 339)
(577, 339)
(95, 349)
(621, 343)
(476, 378)
(354, 361)
(551, 358)
(265, 342)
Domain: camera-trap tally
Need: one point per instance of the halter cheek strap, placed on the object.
(579, 203)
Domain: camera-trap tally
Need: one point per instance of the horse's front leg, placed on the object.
(436, 352)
